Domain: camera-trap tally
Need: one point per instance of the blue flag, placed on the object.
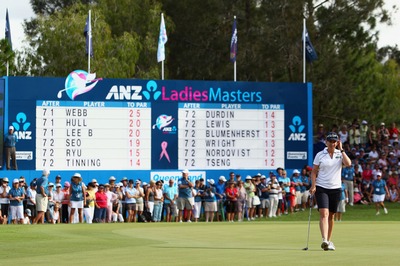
(233, 50)
(311, 54)
(8, 30)
(162, 40)
(88, 34)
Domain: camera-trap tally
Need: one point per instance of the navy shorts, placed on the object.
(328, 198)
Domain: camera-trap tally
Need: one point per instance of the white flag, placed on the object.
(162, 39)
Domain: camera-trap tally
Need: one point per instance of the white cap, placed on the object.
(5, 179)
(295, 171)
(112, 178)
(248, 177)
(94, 181)
(10, 127)
(364, 122)
(211, 181)
(263, 177)
(222, 178)
(45, 172)
(186, 171)
(378, 173)
(51, 184)
(77, 175)
(15, 181)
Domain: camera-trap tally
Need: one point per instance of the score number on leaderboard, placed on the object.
(93, 135)
(230, 136)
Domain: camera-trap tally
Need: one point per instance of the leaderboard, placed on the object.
(231, 136)
(89, 135)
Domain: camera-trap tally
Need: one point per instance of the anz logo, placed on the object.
(21, 126)
(297, 130)
(134, 93)
(124, 93)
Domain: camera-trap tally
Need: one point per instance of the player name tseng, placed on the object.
(76, 122)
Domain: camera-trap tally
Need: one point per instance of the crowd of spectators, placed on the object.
(135, 201)
(375, 155)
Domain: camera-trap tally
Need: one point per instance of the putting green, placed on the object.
(247, 243)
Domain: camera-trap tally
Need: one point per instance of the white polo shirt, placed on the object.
(330, 169)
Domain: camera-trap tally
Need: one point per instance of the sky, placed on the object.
(21, 9)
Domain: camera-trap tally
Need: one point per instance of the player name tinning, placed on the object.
(83, 162)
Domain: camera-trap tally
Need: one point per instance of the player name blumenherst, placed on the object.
(238, 133)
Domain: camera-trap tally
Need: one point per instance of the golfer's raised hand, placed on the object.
(339, 145)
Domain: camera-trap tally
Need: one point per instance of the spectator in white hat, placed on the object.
(364, 133)
(27, 216)
(210, 201)
(41, 196)
(10, 140)
(185, 200)
(220, 195)
(298, 183)
(111, 181)
(16, 196)
(250, 191)
(77, 197)
(379, 190)
(170, 195)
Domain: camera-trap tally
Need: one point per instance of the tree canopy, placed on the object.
(352, 77)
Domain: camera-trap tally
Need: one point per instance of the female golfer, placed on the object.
(326, 184)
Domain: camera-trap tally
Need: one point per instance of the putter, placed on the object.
(309, 221)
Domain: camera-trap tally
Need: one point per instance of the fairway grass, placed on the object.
(247, 243)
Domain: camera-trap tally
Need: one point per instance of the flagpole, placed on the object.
(7, 68)
(162, 40)
(304, 50)
(162, 62)
(234, 63)
(90, 39)
(162, 70)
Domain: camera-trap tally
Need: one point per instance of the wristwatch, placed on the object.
(341, 150)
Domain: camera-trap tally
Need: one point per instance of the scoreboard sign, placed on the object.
(83, 123)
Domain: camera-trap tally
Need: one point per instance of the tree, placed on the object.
(350, 77)
(59, 46)
(124, 46)
(142, 19)
(6, 56)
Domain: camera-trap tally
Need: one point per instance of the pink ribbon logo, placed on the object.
(164, 152)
